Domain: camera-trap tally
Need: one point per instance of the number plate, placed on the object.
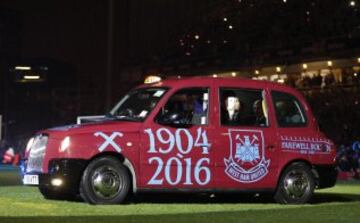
(31, 179)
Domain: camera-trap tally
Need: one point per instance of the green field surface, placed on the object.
(25, 204)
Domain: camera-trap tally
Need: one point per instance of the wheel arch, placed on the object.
(126, 162)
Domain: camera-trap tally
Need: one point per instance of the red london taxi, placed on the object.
(199, 134)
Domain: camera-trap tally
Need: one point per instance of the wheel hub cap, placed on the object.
(296, 184)
(106, 182)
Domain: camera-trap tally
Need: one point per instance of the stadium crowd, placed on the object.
(348, 158)
(338, 112)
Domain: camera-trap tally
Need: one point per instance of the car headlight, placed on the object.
(65, 144)
(29, 144)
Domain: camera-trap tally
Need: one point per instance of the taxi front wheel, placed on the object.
(296, 185)
(105, 181)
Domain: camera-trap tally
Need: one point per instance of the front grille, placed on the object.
(37, 154)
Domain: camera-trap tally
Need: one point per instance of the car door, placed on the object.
(245, 147)
(176, 144)
(297, 136)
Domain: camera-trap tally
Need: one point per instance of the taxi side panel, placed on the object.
(86, 146)
(233, 169)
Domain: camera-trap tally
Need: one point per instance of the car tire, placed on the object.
(105, 181)
(296, 185)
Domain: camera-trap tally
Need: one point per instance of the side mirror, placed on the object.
(174, 119)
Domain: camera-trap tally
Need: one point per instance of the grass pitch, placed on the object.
(25, 204)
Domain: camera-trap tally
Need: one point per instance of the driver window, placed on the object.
(187, 106)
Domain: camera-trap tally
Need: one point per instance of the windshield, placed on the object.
(137, 104)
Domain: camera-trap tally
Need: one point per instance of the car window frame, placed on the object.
(299, 105)
(167, 90)
(180, 89)
(264, 94)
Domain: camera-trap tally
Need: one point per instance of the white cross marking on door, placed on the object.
(109, 140)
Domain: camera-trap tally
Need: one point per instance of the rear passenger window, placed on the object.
(289, 112)
(243, 107)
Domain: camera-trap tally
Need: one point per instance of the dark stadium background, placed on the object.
(89, 53)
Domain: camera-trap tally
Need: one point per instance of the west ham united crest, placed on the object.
(247, 162)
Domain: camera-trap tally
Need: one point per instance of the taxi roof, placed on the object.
(199, 80)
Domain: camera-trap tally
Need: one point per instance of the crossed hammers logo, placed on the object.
(109, 140)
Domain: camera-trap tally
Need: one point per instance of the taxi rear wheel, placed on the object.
(105, 181)
(296, 185)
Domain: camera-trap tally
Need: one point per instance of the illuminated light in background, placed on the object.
(22, 68)
(257, 72)
(329, 63)
(225, 19)
(352, 3)
(188, 54)
(359, 60)
(305, 66)
(208, 41)
(31, 77)
(281, 81)
(231, 27)
(233, 74)
(355, 74)
(215, 75)
(225, 41)
(278, 69)
(284, 1)
(197, 37)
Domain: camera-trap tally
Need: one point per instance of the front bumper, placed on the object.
(63, 175)
(327, 175)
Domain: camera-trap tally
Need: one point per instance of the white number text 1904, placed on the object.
(178, 169)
